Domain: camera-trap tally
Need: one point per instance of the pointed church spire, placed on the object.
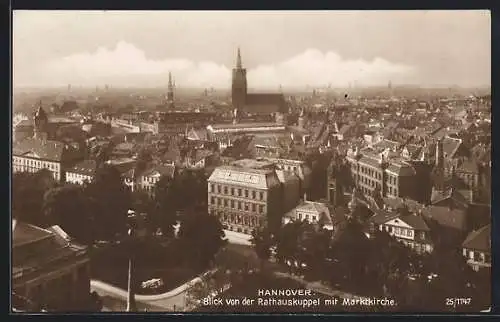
(239, 65)
(170, 80)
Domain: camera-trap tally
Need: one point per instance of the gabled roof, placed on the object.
(451, 146)
(416, 221)
(41, 149)
(479, 240)
(446, 217)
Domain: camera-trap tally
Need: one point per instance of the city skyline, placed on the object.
(291, 49)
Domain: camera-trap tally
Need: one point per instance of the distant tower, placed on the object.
(389, 87)
(69, 87)
(40, 123)
(239, 84)
(302, 119)
(170, 93)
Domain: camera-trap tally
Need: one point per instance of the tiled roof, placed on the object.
(416, 221)
(265, 103)
(41, 149)
(450, 146)
(479, 240)
(444, 216)
(252, 178)
(25, 233)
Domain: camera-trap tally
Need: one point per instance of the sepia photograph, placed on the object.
(251, 161)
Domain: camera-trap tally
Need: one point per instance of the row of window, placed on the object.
(479, 257)
(306, 217)
(36, 163)
(418, 247)
(239, 219)
(32, 170)
(400, 231)
(235, 204)
(236, 191)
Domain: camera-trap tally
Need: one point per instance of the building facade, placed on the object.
(245, 195)
(477, 248)
(49, 270)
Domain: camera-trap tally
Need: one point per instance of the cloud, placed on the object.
(128, 65)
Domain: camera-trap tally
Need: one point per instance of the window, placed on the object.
(254, 195)
(246, 206)
(232, 204)
(239, 205)
(225, 190)
(219, 201)
(212, 200)
(300, 216)
(313, 218)
(261, 209)
(307, 217)
(218, 188)
(246, 193)
(261, 195)
(225, 202)
(254, 207)
(212, 188)
(422, 235)
(410, 233)
(232, 191)
(239, 192)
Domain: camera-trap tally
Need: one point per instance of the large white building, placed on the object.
(249, 193)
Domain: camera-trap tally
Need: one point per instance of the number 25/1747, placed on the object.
(457, 301)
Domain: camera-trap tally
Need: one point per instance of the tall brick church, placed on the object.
(254, 103)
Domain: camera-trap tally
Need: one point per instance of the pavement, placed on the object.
(238, 238)
(115, 299)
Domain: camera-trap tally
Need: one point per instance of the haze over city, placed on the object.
(291, 49)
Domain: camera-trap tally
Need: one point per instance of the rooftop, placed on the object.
(39, 149)
(479, 239)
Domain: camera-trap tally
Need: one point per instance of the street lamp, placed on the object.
(131, 218)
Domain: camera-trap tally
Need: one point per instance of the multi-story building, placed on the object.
(394, 178)
(148, 178)
(316, 213)
(410, 229)
(81, 172)
(49, 271)
(245, 195)
(477, 248)
(33, 154)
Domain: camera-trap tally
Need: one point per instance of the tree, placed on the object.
(110, 201)
(165, 206)
(262, 243)
(28, 190)
(68, 207)
(201, 236)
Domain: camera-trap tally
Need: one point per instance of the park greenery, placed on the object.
(97, 213)
(378, 265)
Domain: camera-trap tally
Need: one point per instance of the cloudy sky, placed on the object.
(291, 48)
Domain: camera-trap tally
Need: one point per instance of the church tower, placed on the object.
(170, 93)
(40, 124)
(239, 84)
